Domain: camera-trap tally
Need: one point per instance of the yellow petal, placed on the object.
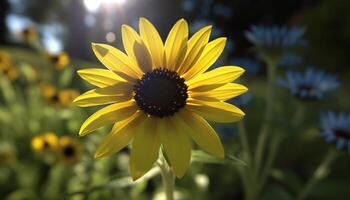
(100, 77)
(210, 54)
(134, 47)
(176, 145)
(153, 41)
(117, 61)
(107, 115)
(111, 94)
(176, 44)
(195, 48)
(219, 75)
(201, 132)
(216, 111)
(222, 93)
(143, 57)
(145, 148)
(119, 137)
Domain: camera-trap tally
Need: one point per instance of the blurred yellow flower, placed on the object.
(6, 66)
(59, 60)
(49, 92)
(5, 60)
(47, 142)
(54, 96)
(10, 72)
(66, 97)
(29, 34)
(161, 95)
(69, 150)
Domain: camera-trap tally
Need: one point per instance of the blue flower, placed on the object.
(222, 11)
(336, 128)
(251, 66)
(310, 85)
(275, 39)
(290, 60)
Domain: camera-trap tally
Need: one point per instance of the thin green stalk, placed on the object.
(320, 173)
(244, 142)
(248, 183)
(247, 173)
(168, 179)
(270, 160)
(265, 129)
(298, 116)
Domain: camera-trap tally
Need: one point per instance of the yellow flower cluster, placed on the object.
(29, 34)
(6, 66)
(66, 149)
(59, 60)
(58, 97)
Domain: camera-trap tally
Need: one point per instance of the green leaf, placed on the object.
(236, 161)
(201, 156)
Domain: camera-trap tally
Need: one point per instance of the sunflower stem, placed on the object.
(320, 173)
(265, 129)
(168, 178)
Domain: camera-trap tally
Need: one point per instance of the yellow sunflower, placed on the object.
(66, 96)
(47, 142)
(29, 34)
(59, 60)
(69, 150)
(58, 97)
(5, 60)
(10, 72)
(161, 95)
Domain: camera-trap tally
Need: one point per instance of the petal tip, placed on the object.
(179, 175)
(143, 19)
(82, 132)
(99, 49)
(98, 155)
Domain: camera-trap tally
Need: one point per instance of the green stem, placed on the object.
(247, 173)
(248, 183)
(244, 142)
(270, 160)
(265, 129)
(298, 116)
(320, 173)
(168, 179)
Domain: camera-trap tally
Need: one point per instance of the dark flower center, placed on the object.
(161, 92)
(342, 133)
(54, 98)
(46, 145)
(27, 31)
(68, 151)
(308, 89)
(55, 59)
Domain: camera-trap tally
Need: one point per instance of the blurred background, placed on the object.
(43, 43)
